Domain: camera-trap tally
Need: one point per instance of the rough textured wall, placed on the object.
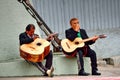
(13, 20)
(109, 46)
(97, 16)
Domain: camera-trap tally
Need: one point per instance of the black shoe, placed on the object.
(83, 74)
(45, 75)
(96, 73)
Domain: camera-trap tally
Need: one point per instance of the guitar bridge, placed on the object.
(67, 45)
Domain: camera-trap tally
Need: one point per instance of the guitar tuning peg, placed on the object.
(102, 36)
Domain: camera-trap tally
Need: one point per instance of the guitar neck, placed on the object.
(85, 40)
(100, 36)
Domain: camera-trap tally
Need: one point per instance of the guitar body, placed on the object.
(35, 51)
(69, 47)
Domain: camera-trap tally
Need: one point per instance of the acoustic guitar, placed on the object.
(69, 47)
(35, 51)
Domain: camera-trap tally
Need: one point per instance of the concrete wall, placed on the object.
(96, 16)
(109, 46)
(13, 20)
(93, 14)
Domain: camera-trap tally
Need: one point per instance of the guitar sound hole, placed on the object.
(76, 43)
(39, 44)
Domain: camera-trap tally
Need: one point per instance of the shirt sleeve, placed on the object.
(24, 39)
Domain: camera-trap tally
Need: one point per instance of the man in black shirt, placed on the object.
(75, 32)
(27, 37)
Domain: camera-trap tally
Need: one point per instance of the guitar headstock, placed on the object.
(102, 36)
(54, 34)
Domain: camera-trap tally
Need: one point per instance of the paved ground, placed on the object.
(65, 78)
(108, 73)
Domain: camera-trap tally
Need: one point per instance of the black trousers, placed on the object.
(90, 53)
(48, 63)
